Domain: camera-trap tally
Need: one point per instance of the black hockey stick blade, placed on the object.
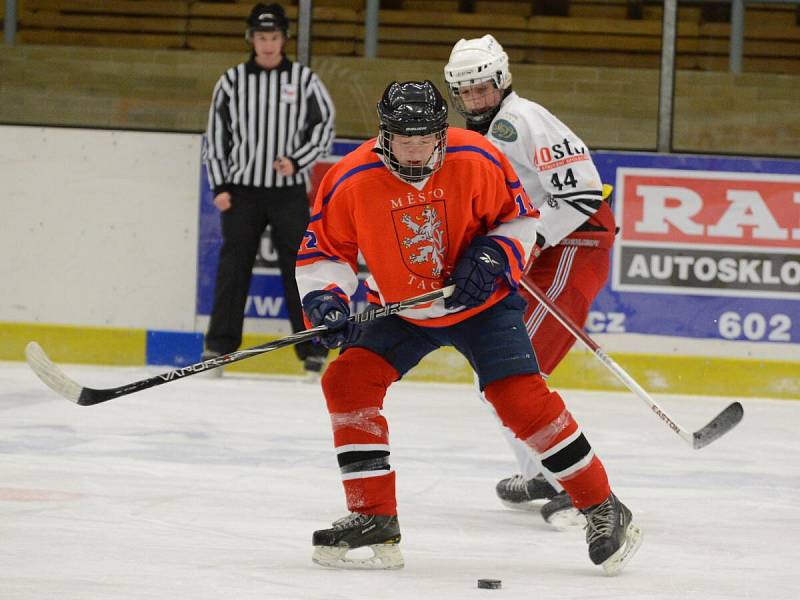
(718, 426)
(52, 375)
(60, 383)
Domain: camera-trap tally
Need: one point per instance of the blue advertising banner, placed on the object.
(708, 247)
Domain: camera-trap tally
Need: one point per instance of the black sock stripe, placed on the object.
(355, 456)
(371, 464)
(570, 454)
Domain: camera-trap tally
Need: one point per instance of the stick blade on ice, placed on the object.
(58, 381)
(50, 374)
(719, 425)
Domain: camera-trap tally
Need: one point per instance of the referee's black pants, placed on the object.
(252, 209)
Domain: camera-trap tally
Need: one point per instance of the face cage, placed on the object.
(481, 116)
(413, 173)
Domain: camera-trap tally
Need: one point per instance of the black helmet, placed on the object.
(412, 108)
(267, 17)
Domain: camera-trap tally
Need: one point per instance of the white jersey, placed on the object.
(553, 164)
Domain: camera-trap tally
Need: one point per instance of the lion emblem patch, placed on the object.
(423, 239)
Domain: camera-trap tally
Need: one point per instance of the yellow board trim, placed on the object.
(72, 344)
(657, 374)
(693, 375)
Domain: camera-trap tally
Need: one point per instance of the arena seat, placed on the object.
(596, 32)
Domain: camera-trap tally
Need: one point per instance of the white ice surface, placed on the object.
(204, 489)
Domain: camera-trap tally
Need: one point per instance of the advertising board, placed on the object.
(708, 247)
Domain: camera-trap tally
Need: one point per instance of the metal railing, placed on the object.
(737, 28)
(371, 24)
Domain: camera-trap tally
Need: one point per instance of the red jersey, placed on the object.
(411, 235)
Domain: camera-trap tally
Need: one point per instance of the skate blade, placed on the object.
(311, 377)
(385, 556)
(617, 561)
(564, 519)
(529, 506)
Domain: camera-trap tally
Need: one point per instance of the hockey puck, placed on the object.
(490, 584)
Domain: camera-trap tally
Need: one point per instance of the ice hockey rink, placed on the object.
(208, 488)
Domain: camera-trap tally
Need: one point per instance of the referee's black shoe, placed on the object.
(212, 373)
(313, 367)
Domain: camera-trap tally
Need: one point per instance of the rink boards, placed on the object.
(702, 298)
(708, 248)
(708, 253)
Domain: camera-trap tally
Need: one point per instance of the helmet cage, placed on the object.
(482, 115)
(412, 109)
(413, 173)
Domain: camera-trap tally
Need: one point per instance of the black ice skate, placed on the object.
(313, 368)
(560, 512)
(380, 533)
(520, 494)
(612, 537)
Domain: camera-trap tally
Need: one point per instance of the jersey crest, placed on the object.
(422, 234)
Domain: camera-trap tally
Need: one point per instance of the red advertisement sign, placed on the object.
(708, 232)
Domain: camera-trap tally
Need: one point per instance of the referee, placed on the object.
(270, 119)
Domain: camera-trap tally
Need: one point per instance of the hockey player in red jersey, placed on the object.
(427, 207)
(577, 229)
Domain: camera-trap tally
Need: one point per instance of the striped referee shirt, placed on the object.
(259, 115)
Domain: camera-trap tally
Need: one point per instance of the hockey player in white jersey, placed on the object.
(577, 230)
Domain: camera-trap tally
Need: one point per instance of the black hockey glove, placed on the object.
(476, 272)
(327, 308)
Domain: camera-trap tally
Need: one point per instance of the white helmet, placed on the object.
(476, 61)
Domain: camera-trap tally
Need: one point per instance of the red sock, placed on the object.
(355, 385)
(538, 417)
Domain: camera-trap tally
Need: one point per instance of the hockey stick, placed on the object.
(58, 381)
(716, 427)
